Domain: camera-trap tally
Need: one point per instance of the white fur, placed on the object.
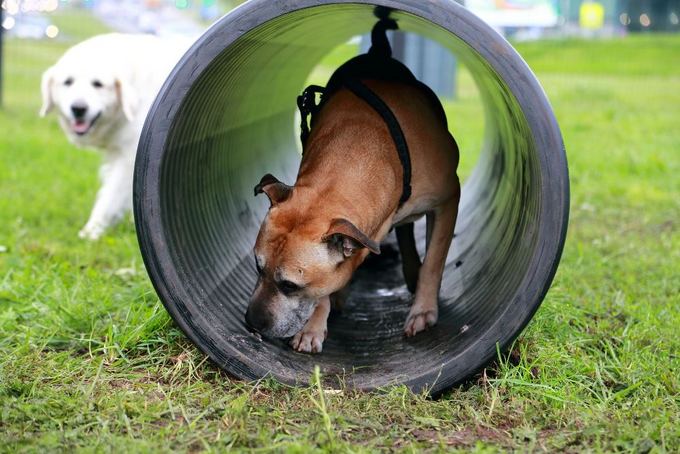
(116, 77)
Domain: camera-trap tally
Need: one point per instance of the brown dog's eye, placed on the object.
(68, 82)
(97, 84)
(289, 287)
(258, 268)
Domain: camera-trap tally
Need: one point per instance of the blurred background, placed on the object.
(65, 22)
(38, 28)
(527, 19)
(68, 21)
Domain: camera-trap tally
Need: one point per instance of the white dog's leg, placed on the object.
(114, 198)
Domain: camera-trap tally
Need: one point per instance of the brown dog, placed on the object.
(347, 197)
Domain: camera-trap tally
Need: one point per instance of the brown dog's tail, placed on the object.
(380, 46)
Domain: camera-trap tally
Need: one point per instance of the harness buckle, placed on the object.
(308, 106)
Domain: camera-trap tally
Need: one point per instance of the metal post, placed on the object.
(430, 62)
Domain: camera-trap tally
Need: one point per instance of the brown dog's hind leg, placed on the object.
(410, 260)
(424, 311)
(311, 336)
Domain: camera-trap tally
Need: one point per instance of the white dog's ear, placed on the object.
(46, 89)
(127, 98)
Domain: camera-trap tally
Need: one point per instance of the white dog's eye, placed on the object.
(68, 82)
(97, 84)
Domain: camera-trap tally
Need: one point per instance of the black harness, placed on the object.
(307, 104)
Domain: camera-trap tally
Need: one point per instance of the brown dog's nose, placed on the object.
(258, 319)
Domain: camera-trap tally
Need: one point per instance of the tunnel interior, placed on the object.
(226, 117)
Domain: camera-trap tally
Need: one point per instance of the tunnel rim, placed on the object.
(256, 13)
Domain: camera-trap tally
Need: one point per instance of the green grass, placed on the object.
(90, 361)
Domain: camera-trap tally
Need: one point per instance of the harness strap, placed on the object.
(373, 100)
(307, 105)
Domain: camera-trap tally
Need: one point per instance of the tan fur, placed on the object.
(351, 171)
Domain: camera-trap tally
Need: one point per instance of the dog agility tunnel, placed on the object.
(226, 116)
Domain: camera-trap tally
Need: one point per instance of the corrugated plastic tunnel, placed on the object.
(226, 116)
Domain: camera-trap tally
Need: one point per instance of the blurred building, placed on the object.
(651, 15)
(627, 15)
(534, 19)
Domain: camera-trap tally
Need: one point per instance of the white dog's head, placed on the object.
(92, 94)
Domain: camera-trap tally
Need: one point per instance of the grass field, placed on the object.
(90, 361)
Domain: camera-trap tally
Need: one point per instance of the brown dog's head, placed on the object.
(300, 257)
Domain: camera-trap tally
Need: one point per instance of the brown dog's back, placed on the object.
(348, 130)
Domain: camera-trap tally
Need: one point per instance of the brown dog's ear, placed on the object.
(349, 238)
(275, 190)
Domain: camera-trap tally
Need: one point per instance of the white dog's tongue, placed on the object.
(80, 126)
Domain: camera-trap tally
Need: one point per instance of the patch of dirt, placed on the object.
(124, 384)
(464, 437)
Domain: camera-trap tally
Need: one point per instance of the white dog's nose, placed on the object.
(79, 109)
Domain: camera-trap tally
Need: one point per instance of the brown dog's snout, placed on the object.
(258, 318)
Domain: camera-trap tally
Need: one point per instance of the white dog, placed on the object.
(102, 89)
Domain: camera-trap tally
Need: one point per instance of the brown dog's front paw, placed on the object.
(420, 321)
(308, 341)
